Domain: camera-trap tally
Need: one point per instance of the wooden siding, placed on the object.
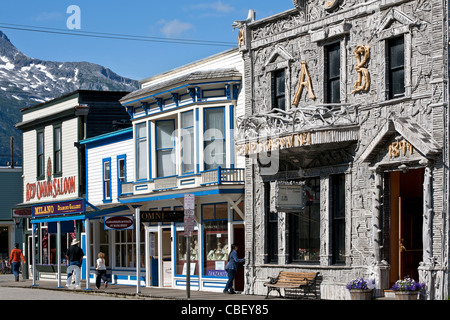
(69, 157)
(95, 158)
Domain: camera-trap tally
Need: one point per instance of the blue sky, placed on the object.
(194, 19)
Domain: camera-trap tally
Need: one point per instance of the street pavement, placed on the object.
(45, 289)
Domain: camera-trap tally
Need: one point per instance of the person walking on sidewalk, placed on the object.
(75, 256)
(231, 268)
(14, 260)
(101, 271)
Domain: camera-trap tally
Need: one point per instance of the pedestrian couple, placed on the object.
(75, 257)
(231, 268)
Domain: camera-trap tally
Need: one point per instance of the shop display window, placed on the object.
(182, 253)
(304, 226)
(125, 248)
(48, 254)
(215, 235)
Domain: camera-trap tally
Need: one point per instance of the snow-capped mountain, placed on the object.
(26, 81)
(35, 81)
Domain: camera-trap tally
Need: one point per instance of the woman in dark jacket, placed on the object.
(231, 268)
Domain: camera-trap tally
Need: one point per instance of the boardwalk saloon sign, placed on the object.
(52, 188)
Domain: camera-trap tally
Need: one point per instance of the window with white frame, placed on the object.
(107, 179)
(141, 151)
(187, 142)
(165, 148)
(40, 155)
(125, 248)
(121, 167)
(214, 138)
(57, 152)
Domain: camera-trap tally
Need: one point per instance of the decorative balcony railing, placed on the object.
(277, 122)
(219, 176)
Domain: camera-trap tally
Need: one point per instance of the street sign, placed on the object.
(189, 212)
(189, 202)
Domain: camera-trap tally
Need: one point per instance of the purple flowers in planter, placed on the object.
(361, 284)
(407, 284)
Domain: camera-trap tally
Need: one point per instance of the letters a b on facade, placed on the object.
(374, 165)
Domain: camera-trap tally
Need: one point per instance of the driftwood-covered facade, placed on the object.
(345, 135)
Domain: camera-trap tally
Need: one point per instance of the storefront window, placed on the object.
(304, 226)
(125, 248)
(104, 245)
(182, 253)
(215, 235)
(4, 243)
(49, 252)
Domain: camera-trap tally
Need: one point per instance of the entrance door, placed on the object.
(406, 223)
(160, 257)
(239, 240)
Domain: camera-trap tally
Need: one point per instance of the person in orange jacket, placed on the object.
(14, 260)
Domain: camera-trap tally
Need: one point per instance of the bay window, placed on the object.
(165, 148)
(141, 151)
(187, 142)
(214, 138)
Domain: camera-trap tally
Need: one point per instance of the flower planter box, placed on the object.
(361, 294)
(406, 295)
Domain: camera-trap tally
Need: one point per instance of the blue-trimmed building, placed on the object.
(54, 184)
(181, 142)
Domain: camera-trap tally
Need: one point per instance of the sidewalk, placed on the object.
(131, 291)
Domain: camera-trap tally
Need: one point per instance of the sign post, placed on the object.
(189, 211)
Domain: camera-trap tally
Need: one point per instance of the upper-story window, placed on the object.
(333, 71)
(107, 179)
(40, 155)
(141, 151)
(279, 89)
(214, 138)
(57, 150)
(395, 81)
(121, 167)
(165, 148)
(187, 142)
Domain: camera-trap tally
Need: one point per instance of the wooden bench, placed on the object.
(305, 281)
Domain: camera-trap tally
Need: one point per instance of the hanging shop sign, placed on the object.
(59, 208)
(162, 216)
(119, 223)
(21, 212)
(290, 197)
